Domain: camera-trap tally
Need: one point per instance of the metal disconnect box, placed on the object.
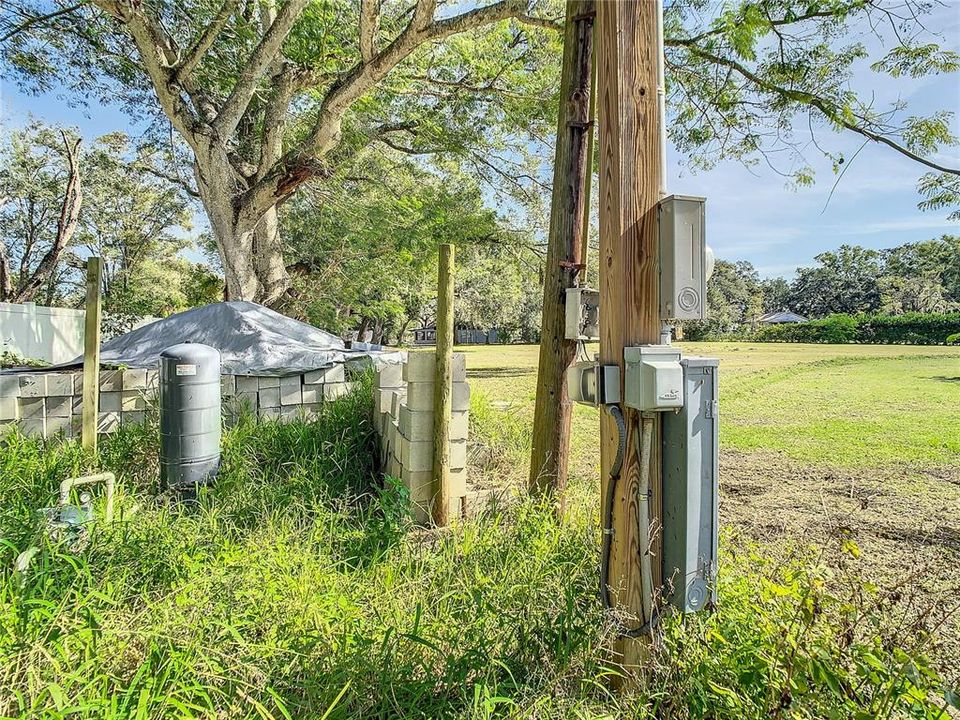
(582, 318)
(683, 258)
(653, 379)
(690, 489)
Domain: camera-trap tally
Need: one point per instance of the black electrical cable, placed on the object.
(622, 630)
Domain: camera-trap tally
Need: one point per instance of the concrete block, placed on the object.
(331, 391)
(31, 407)
(34, 426)
(153, 379)
(110, 401)
(289, 413)
(269, 398)
(76, 426)
(270, 413)
(60, 384)
(417, 455)
(332, 374)
(389, 376)
(111, 380)
(311, 394)
(247, 383)
(9, 409)
(9, 386)
(58, 426)
(131, 400)
(132, 417)
(420, 396)
(7, 426)
(134, 379)
(420, 484)
(290, 390)
(265, 383)
(60, 407)
(77, 383)
(33, 385)
(107, 422)
(418, 424)
(397, 398)
(76, 406)
(228, 385)
(422, 514)
(422, 367)
(246, 400)
(311, 410)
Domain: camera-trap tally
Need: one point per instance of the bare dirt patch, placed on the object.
(904, 520)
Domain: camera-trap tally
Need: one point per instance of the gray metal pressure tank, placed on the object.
(189, 416)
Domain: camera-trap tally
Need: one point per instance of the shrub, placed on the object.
(906, 329)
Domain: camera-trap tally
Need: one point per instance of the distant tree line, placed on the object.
(914, 278)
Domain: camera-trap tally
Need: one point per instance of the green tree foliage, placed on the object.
(365, 251)
(40, 198)
(845, 281)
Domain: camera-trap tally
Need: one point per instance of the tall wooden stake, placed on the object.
(91, 356)
(629, 283)
(564, 263)
(443, 388)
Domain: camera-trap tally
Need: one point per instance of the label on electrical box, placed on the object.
(186, 370)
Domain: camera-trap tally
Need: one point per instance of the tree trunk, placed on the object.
(551, 424)
(252, 257)
(268, 259)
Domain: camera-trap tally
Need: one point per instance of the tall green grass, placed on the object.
(297, 588)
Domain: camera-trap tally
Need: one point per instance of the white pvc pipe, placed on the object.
(643, 518)
(108, 478)
(662, 100)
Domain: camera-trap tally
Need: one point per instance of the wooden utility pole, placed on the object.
(91, 356)
(630, 170)
(443, 388)
(565, 261)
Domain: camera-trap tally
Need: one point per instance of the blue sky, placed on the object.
(751, 213)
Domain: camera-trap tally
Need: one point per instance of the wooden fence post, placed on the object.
(91, 356)
(443, 388)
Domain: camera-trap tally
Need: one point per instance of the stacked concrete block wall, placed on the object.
(403, 408)
(49, 404)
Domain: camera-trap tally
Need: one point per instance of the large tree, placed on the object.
(40, 200)
(268, 95)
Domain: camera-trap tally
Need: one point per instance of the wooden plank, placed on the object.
(443, 387)
(564, 262)
(91, 356)
(628, 197)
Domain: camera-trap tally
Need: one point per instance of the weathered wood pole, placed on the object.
(91, 356)
(564, 262)
(443, 388)
(630, 170)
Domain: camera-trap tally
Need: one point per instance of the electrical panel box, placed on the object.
(683, 258)
(591, 383)
(582, 319)
(653, 378)
(690, 489)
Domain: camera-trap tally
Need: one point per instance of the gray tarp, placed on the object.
(252, 340)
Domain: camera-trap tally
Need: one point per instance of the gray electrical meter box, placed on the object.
(690, 489)
(653, 379)
(683, 258)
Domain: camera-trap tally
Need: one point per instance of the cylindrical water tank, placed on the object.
(189, 416)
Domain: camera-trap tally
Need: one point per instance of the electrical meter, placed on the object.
(653, 379)
(684, 258)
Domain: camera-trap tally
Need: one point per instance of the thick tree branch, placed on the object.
(369, 27)
(293, 168)
(159, 54)
(205, 41)
(829, 111)
(260, 60)
(66, 225)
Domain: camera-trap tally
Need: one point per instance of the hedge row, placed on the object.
(906, 329)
